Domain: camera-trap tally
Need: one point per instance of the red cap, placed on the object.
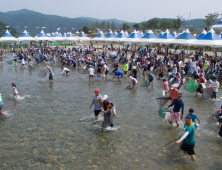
(97, 90)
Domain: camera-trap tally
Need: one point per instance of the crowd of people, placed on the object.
(172, 70)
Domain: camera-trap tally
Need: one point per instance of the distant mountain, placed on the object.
(3, 29)
(32, 19)
(24, 17)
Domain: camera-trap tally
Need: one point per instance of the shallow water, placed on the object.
(51, 125)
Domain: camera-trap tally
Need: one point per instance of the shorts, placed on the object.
(67, 71)
(134, 84)
(125, 72)
(188, 148)
(99, 70)
(214, 95)
(199, 90)
(1, 106)
(144, 73)
(50, 76)
(91, 76)
(151, 80)
(174, 115)
(120, 76)
(161, 74)
(96, 112)
(106, 73)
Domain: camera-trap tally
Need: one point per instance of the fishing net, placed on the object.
(207, 93)
(162, 101)
(172, 146)
(162, 112)
(216, 114)
(42, 73)
(192, 85)
(108, 119)
(9, 62)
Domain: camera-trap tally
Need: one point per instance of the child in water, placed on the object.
(15, 90)
(194, 117)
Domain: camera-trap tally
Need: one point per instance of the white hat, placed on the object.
(134, 67)
(130, 77)
(105, 97)
(174, 85)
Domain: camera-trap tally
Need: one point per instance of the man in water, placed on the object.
(188, 137)
(91, 72)
(2, 114)
(65, 70)
(105, 107)
(97, 100)
(50, 73)
(151, 79)
(173, 92)
(125, 69)
(117, 74)
(175, 113)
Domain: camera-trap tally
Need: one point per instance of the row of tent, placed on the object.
(209, 38)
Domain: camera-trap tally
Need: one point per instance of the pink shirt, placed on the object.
(166, 85)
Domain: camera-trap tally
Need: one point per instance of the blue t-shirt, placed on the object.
(190, 138)
(193, 117)
(177, 105)
(151, 77)
(118, 73)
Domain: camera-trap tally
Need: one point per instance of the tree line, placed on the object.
(152, 24)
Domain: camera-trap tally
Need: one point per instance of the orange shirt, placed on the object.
(173, 93)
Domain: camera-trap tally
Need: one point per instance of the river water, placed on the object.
(51, 126)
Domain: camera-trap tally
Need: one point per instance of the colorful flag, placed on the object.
(64, 28)
(58, 29)
(36, 27)
(73, 28)
(25, 27)
(7, 26)
(43, 27)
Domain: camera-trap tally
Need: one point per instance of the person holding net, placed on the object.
(105, 107)
(175, 113)
(188, 137)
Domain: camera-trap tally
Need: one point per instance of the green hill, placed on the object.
(3, 29)
(34, 19)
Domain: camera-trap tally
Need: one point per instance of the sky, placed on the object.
(127, 10)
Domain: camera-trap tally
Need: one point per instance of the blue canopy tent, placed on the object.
(25, 37)
(7, 37)
(166, 38)
(218, 25)
(42, 36)
(210, 39)
(147, 38)
(185, 38)
(99, 37)
(202, 34)
(83, 37)
(174, 34)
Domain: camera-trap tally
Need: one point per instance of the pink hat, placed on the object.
(97, 90)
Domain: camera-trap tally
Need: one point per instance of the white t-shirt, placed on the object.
(91, 71)
(174, 70)
(106, 67)
(197, 69)
(215, 84)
